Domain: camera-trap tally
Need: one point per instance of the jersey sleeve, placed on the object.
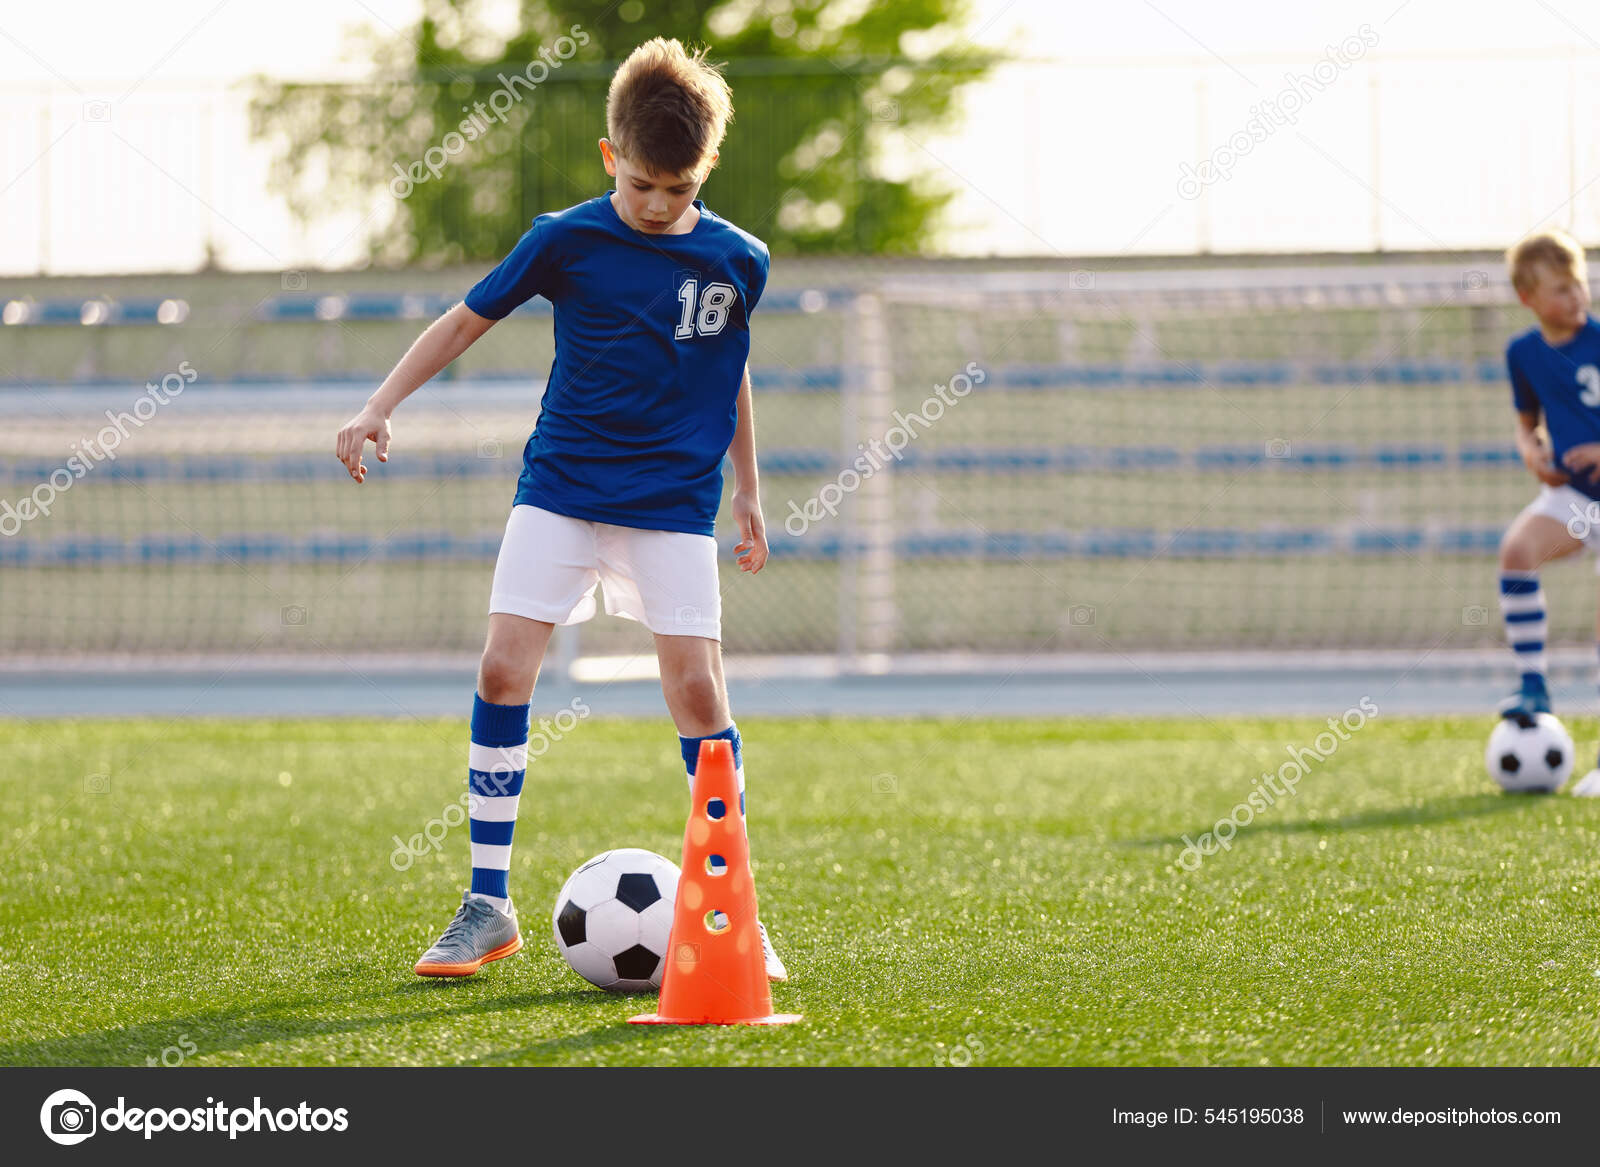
(756, 283)
(530, 270)
(1522, 394)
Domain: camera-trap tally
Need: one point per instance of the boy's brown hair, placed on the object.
(1552, 248)
(666, 110)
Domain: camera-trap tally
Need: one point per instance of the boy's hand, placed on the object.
(368, 425)
(752, 546)
(1582, 460)
(1536, 457)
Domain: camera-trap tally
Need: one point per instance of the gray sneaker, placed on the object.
(478, 934)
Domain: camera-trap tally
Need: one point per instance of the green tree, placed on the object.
(824, 92)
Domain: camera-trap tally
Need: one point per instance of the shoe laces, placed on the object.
(465, 915)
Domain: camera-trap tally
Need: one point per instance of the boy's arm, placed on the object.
(752, 548)
(442, 342)
(1582, 459)
(1534, 450)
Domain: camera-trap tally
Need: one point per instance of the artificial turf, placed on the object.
(991, 892)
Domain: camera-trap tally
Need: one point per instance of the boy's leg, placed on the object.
(667, 580)
(697, 699)
(485, 926)
(1533, 540)
(498, 757)
(544, 575)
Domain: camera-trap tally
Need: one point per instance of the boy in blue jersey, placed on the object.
(622, 476)
(1555, 377)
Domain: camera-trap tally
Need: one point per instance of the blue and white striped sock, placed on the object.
(495, 769)
(1522, 606)
(691, 756)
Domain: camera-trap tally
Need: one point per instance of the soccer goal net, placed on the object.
(963, 461)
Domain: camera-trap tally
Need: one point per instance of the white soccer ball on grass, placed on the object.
(613, 918)
(1530, 757)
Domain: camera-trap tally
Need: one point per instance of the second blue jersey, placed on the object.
(1562, 382)
(651, 333)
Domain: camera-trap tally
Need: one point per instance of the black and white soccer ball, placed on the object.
(613, 918)
(1530, 757)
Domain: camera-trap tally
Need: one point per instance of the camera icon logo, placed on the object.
(1277, 448)
(491, 448)
(68, 1117)
(97, 783)
(686, 614)
(1080, 280)
(293, 616)
(885, 784)
(1474, 280)
(1080, 615)
(686, 953)
(1474, 616)
(97, 111)
(294, 281)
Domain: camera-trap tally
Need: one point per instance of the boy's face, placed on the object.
(650, 202)
(1559, 298)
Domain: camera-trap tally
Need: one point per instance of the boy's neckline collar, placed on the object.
(1581, 329)
(695, 230)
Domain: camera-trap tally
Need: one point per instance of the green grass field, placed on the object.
(1003, 892)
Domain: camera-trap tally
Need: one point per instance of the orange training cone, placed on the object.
(715, 975)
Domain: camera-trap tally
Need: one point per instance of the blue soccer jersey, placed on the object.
(652, 333)
(1562, 381)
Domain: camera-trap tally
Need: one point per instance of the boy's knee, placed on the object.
(699, 695)
(1515, 555)
(504, 678)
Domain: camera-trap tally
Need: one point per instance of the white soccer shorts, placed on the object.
(549, 566)
(1573, 509)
